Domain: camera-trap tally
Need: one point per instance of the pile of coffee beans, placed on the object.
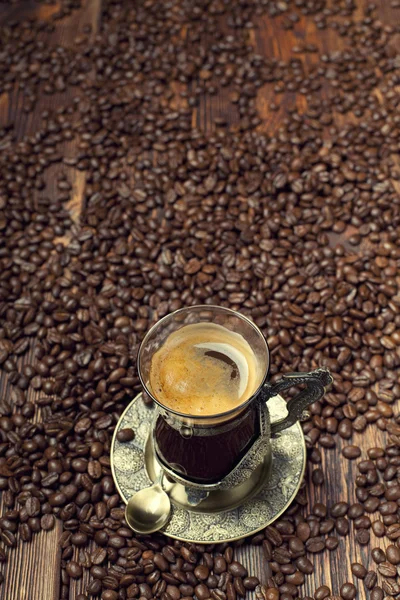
(296, 225)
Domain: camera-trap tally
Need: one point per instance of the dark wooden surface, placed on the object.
(32, 571)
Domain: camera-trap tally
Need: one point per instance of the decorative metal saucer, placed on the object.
(226, 515)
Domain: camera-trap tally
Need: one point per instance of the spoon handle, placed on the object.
(159, 478)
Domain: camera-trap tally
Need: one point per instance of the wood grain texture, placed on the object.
(33, 569)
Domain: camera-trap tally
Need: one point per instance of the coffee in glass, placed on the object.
(206, 367)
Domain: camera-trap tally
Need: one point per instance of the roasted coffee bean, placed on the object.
(314, 527)
(355, 511)
(303, 531)
(202, 572)
(125, 435)
(8, 538)
(94, 587)
(371, 504)
(331, 542)
(74, 570)
(25, 532)
(271, 593)
(202, 592)
(305, 565)
(228, 555)
(296, 547)
(319, 510)
(378, 555)
(348, 591)
(109, 595)
(239, 587)
(342, 526)
(363, 536)
(358, 570)
(362, 523)
(47, 522)
(370, 580)
(250, 583)
(393, 554)
(322, 592)
(393, 531)
(297, 578)
(387, 569)
(351, 452)
(237, 570)
(339, 509)
(220, 565)
(273, 536)
(390, 587)
(377, 593)
(318, 477)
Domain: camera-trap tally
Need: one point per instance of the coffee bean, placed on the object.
(362, 522)
(125, 435)
(342, 526)
(351, 452)
(250, 583)
(331, 543)
(378, 528)
(391, 587)
(355, 511)
(393, 531)
(393, 554)
(25, 532)
(387, 569)
(74, 570)
(358, 570)
(273, 536)
(239, 587)
(303, 531)
(220, 565)
(339, 509)
(202, 592)
(305, 565)
(319, 510)
(318, 477)
(348, 591)
(109, 595)
(237, 570)
(228, 555)
(371, 504)
(378, 555)
(363, 537)
(8, 538)
(322, 592)
(271, 593)
(370, 580)
(377, 593)
(202, 572)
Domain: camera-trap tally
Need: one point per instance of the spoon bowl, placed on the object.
(149, 509)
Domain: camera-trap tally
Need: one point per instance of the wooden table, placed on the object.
(32, 571)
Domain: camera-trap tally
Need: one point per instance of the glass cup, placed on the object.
(204, 449)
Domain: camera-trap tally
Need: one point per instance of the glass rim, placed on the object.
(187, 416)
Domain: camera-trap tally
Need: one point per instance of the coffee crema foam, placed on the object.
(204, 369)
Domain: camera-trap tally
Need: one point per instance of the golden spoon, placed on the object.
(149, 509)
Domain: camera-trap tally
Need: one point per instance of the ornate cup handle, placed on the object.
(317, 384)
